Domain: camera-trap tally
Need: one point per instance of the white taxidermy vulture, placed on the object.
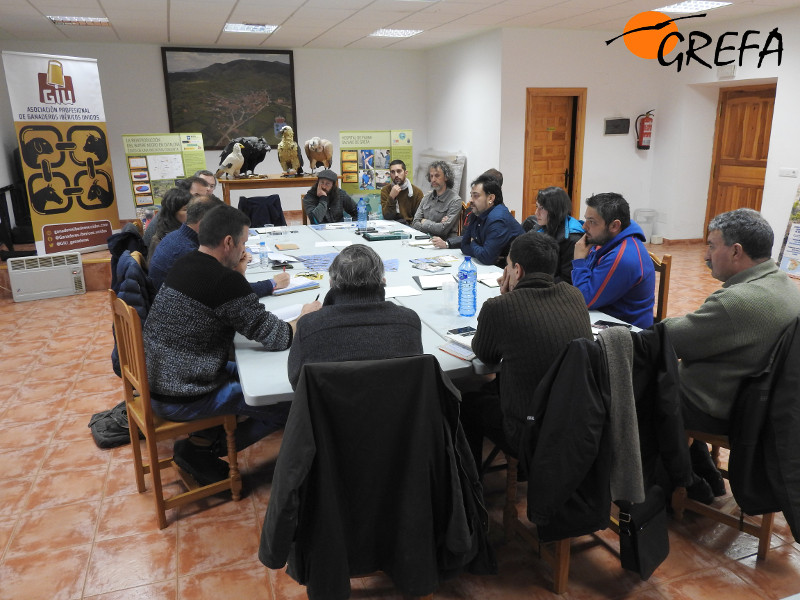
(288, 153)
(232, 163)
(319, 153)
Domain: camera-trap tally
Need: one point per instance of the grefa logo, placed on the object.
(54, 86)
(653, 34)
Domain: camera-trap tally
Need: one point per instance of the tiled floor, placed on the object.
(72, 525)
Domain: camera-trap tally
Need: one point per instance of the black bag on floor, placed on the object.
(643, 538)
(110, 427)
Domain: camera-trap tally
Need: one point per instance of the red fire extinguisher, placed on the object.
(644, 130)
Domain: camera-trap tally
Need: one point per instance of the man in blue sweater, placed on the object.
(184, 240)
(488, 236)
(611, 266)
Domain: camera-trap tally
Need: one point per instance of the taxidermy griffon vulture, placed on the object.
(231, 164)
(319, 153)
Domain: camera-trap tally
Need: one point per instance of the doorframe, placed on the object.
(717, 140)
(577, 135)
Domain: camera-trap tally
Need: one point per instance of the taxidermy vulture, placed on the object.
(288, 153)
(319, 153)
(254, 149)
(232, 163)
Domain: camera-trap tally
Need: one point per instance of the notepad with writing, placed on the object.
(297, 284)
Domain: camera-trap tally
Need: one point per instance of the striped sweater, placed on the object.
(190, 327)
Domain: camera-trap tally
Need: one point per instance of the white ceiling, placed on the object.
(326, 23)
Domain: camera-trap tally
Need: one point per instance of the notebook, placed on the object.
(297, 284)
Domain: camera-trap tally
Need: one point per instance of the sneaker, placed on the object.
(201, 463)
(700, 490)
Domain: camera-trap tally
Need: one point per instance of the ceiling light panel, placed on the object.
(692, 6)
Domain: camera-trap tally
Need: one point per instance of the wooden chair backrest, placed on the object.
(303, 210)
(130, 344)
(662, 266)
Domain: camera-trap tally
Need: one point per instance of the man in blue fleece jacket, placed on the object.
(611, 266)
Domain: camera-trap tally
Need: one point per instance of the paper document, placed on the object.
(335, 243)
(398, 291)
(489, 279)
(297, 284)
(458, 351)
(288, 313)
(433, 282)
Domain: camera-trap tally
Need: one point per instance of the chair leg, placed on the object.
(138, 467)
(155, 474)
(560, 566)
(233, 473)
(510, 516)
(765, 535)
(678, 501)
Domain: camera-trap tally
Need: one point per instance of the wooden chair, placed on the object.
(662, 267)
(681, 502)
(128, 330)
(295, 217)
(303, 210)
(556, 554)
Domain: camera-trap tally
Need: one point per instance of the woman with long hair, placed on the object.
(553, 217)
(171, 216)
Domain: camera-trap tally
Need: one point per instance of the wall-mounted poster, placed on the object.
(156, 160)
(225, 94)
(61, 132)
(789, 257)
(365, 159)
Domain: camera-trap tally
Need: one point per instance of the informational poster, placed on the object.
(156, 160)
(365, 158)
(60, 126)
(789, 258)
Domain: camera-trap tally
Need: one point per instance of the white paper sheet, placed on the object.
(398, 291)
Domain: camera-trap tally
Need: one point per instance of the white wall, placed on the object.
(469, 96)
(335, 90)
(464, 82)
(618, 85)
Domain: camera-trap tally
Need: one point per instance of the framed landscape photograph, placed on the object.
(225, 94)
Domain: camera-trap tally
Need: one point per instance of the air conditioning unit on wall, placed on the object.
(37, 277)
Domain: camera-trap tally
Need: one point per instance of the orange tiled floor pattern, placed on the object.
(72, 525)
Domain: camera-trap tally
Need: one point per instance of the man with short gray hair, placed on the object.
(730, 337)
(355, 322)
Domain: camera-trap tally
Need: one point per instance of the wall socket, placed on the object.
(787, 172)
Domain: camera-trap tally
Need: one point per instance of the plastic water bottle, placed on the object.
(263, 255)
(467, 282)
(363, 209)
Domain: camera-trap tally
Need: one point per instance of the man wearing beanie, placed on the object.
(325, 202)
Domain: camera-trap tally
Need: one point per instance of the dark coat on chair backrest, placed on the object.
(128, 239)
(662, 437)
(764, 463)
(566, 450)
(374, 473)
(263, 210)
(135, 289)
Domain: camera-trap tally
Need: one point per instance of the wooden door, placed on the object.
(553, 143)
(741, 144)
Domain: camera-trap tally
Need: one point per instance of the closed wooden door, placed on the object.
(741, 144)
(553, 143)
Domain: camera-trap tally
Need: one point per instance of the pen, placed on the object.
(284, 268)
(317, 298)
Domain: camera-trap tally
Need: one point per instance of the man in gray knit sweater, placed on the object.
(731, 336)
(188, 335)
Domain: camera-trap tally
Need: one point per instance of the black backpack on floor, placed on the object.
(110, 427)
